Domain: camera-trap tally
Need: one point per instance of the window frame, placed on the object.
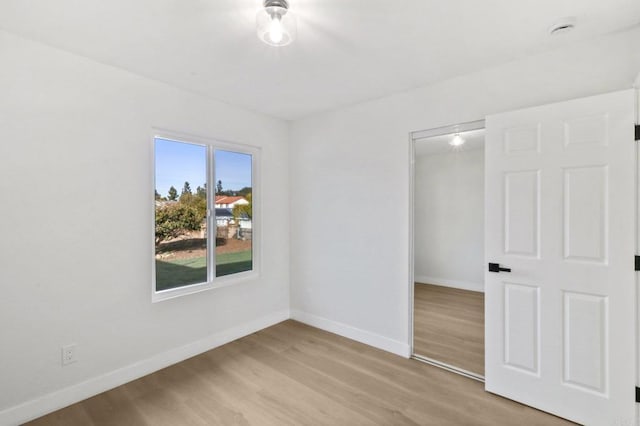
(212, 282)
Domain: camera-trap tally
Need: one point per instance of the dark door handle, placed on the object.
(495, 267)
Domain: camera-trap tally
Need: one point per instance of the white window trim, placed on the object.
(213, 282)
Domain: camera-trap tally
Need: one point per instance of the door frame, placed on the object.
(413, 138)
(636, 87)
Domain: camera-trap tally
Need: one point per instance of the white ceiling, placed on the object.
(474, 139)
(347, 51)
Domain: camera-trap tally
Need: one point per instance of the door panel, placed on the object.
(520, 140)
(585, 332)
(522, 334)
(586, 131)
(560, 212)
(585, 213)
(521, 221)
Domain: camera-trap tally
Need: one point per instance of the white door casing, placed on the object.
(560, 213)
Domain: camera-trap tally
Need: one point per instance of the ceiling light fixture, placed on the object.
(457, 140)
(276, 23)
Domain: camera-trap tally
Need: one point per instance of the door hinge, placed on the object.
(637, 394)
(637, 263)
(637, 132)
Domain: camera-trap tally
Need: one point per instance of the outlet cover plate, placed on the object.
(69, 354)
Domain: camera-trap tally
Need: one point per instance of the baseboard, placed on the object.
(463, 285)
(64, 397)
(377, 341)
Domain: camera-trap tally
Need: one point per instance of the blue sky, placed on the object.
(177, 163)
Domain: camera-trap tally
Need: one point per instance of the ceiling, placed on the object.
(346, 51)
(434, 145)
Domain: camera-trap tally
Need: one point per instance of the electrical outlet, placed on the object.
(69, 354)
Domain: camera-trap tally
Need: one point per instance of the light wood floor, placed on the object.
(448, 326)
(293, 374)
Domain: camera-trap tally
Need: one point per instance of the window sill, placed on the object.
(220, 282)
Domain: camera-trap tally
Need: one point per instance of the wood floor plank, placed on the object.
(329, 386)
(293, 374)
(449, 326)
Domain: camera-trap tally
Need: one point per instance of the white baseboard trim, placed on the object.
(70, 395)
(463, 285)
(377, 341)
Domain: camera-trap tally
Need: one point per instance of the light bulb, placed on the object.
(276, 32)
(457, 140)
(275, 23)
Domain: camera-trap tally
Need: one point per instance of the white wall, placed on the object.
(449, 219)
(76, 228)
(357, 282)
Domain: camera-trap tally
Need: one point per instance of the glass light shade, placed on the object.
(276, 25)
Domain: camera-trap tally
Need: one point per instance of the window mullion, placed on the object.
(212, 223)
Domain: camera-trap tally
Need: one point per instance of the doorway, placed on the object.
(448, 247)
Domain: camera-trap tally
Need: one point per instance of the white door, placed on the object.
(560, 212)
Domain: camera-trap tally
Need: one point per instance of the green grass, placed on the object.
(181, 272)
(232, 263)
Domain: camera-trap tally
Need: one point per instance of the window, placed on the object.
(204, 215)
